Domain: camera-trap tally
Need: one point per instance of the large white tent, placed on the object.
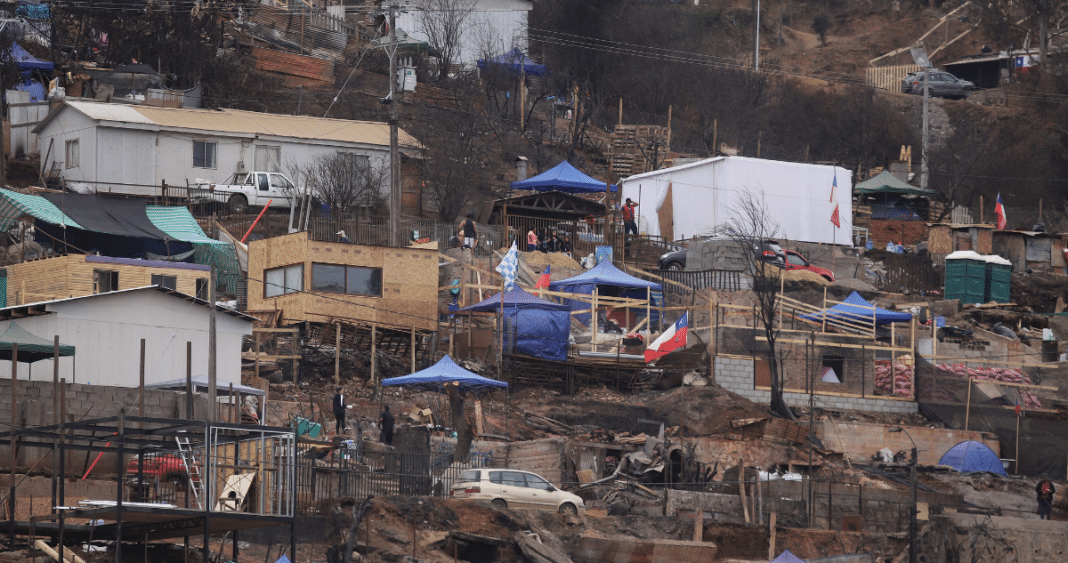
(694, 199)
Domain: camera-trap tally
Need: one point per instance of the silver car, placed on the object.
(943, 84)
(509, 488)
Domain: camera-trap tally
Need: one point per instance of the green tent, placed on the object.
(31, 348)
(887, 183)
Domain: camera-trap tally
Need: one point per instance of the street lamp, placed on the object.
(912, 514)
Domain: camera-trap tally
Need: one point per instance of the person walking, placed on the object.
(385, 424)
(469, 232)
(339, 412)
(1045, 491)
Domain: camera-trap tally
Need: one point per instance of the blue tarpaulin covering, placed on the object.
(532, 325)
(562, 178)
(856, 309)
(445, 371)
(608, 280)
(515, 62)
(25, 61)
(787, 557)
(972, 457)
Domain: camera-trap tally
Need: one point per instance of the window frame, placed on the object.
(113, 275)
(201, 288)
(268, 165)
(72, 147)
(285, 281)
(214, 164)
(345, 280)
(162, 279)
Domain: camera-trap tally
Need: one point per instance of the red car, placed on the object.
(794, 261)
(167, 467)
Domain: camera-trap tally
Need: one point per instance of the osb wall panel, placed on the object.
(409, 282)
(39, 280)
(72, 276)
(939, 240)
(984, 238)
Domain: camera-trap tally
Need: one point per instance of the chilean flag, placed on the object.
(672, 339)
(999, 210)
(544, 280)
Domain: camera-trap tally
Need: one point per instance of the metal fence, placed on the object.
(350, 473)
(716, 279)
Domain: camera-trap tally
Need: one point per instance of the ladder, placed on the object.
(192, 468)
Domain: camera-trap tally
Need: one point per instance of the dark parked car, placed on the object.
(772, 253)
(943, 84)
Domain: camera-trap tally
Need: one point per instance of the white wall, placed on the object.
(703, 194)
(66, 126)
(107, 331)
(494, 25)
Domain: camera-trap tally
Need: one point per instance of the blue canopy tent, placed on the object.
(562, 178)
(606, 279)
(25, 61)
(972, 457)
(532, 325)
(445, 371)
(787, 557)
(856, 310)
(514, 62)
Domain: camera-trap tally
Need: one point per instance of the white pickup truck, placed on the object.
(253, 189)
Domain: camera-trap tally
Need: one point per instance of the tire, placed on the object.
(499, 503)
(238, 204)
(568, 509)
(674, 266)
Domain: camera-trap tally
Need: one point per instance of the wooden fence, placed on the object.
(889, 77)
(911, 272)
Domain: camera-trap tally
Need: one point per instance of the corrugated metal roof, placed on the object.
(247, 122)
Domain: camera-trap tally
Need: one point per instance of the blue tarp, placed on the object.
(855, 309)
(445, 371)
(515, 62)
(787, 557)
(562, 178)
(972, 457)
(25, 61)
(532, 325)
(611, 282)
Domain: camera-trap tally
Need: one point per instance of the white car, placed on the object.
(508, 488)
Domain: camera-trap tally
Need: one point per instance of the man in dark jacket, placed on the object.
(385, 422)
(1045, 491)
(339, 412)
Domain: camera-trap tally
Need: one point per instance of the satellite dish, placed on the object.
(919, 55)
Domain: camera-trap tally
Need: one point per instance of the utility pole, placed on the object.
(212, 399)
(926, 126)
(756, 35)
(394, 153)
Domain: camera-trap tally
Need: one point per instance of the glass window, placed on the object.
(261, 182)
(363, 281)
(280, 183)
(268, 158)
(279, 281)
(73, 155)
(535, 482)
(496, 477)
(203, 154)
(469, 476)
(515, 479)
(202, 289)
(795, 260)
(169, 282)
(328, 277)
(105, 281)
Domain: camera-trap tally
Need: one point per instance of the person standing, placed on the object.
(629, 224)
(469, 232)
(385, 423)
(339, 412)
(1045, 491)
(532, 240)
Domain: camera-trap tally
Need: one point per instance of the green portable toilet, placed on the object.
(998, 279)
(966, 277)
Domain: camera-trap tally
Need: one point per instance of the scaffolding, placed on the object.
(183, 478)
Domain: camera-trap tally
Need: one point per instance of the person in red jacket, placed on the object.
(629, 224)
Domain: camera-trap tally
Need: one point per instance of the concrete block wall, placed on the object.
(860, 441)
(735, 374)
(84, 402)
(715, 255)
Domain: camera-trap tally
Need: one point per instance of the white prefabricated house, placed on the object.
(695, 199)
(106, 331)
(120, 148)
(487, 27)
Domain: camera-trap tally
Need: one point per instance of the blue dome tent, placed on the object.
(562, 178)
(972, 457)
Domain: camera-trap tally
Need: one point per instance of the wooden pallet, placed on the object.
(781, 431)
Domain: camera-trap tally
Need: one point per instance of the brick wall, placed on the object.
(860, 441)
(735, 374)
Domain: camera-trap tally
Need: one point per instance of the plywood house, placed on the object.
(76, 275)
(320, 281)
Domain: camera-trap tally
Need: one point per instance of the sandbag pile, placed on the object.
(898, 382)
(1006, 375)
